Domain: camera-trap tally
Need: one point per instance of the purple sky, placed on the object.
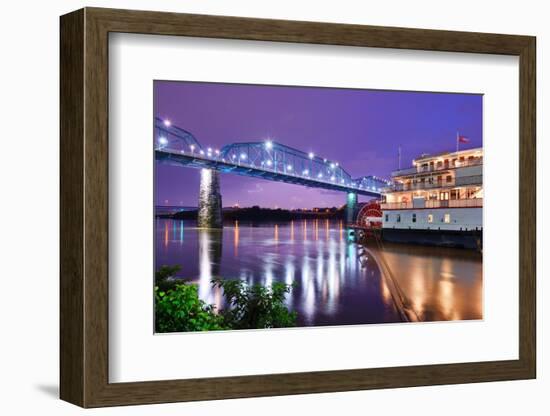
(361, 129)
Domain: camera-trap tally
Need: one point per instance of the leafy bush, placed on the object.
(255, 306)
(180, 310)
(164, 277)
(178, 307)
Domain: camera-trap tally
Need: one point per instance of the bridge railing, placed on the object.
(279, 158)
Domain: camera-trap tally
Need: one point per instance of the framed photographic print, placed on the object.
(260, 207)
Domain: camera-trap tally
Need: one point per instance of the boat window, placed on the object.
(430, 218)
(414, 218)
(398, 217)
(447, 218)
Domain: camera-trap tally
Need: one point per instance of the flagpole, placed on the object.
(399, 157)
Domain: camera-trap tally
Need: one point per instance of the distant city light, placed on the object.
(167, 123)
(268, 144)
(163, 140)
(311, 155)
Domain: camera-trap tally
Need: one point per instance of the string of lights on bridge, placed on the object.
(230, 154)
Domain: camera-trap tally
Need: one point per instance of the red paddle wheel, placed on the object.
(370, 215)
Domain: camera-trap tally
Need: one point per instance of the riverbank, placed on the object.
(258, 214)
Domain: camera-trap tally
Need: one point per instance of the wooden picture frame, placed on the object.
(84, 207)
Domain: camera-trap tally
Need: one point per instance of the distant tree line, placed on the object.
(256, 213)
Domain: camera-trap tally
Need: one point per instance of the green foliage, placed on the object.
(164, 275)
(180, 309)
(166, 272)
(255, 306)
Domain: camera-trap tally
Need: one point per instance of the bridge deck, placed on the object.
(199, 161)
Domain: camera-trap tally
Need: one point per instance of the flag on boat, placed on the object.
(461, 139)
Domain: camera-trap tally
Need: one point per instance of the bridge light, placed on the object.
(311, 155)
(243, 156)
(289, 167)
(209, 150)
(232, 156)
(343, 181)
(217, 151)
(192, 147)
(269, 163)
(167, 123)
(332, 166)
(268, 144)
(320, 175)
(324, 160)
(336, 163)
(305, 172)
(332, 178)
(163, 140)
(202, 152)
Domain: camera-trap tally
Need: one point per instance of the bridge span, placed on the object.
(263, 159)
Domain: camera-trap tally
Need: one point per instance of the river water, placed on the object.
(338, 282)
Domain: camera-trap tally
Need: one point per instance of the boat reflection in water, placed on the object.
(338, 283)
(441, 284)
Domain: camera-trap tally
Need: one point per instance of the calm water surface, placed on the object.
(338, 282)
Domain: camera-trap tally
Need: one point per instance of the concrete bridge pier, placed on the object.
(210, 200)
(351, 205)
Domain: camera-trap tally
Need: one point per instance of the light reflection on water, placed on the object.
(337, 284)
(441, 283)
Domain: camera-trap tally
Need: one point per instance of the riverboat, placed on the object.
(438, 201)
